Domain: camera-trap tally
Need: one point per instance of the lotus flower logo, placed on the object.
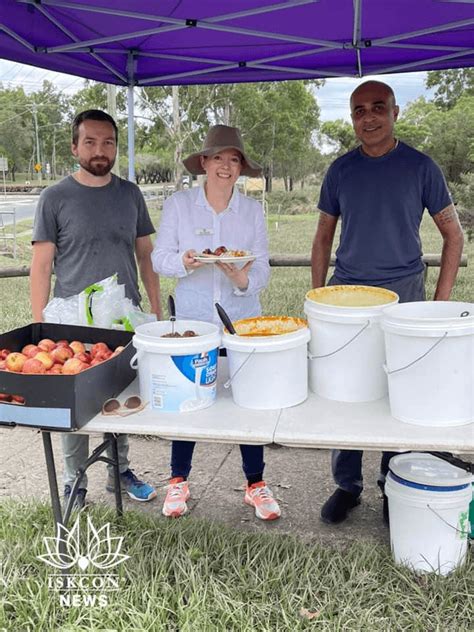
(100, 549)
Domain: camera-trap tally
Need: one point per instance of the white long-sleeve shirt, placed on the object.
(189, 222)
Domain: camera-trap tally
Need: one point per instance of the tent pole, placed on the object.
(131, 134)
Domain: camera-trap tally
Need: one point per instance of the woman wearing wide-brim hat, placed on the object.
(207, 217)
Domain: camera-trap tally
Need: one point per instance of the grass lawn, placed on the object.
(192, 576)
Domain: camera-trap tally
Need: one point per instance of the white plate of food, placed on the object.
(225, 256)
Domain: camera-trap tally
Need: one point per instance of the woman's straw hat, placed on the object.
(218, 138)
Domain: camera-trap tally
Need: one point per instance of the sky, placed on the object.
(333, 97)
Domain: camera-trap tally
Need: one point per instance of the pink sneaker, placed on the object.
(176, 497)
(259, 496)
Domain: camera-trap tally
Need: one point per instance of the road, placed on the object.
(24, 205)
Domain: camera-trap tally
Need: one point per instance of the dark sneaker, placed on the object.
(385, 510)
(336, 508)
(135, 488)
(80, 500)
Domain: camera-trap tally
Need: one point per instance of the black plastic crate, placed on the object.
(64, 402)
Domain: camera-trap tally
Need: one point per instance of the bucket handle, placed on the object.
(229, 381)
(463, 533)
(407, 366)
(326, 355)
(134, 361)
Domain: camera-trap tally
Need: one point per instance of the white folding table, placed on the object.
(316, 423)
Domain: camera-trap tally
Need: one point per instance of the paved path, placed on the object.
(299, 478)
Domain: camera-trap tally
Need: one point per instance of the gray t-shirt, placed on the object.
(94, 230)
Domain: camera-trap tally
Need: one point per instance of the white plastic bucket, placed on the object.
(428, 502)
(430, 362)
(268, 372)
(346, 352)
(177, 374)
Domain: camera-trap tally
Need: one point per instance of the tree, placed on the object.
(451, 85)
(16, 128)
(339, 134)
(52, 117)
(278, 121)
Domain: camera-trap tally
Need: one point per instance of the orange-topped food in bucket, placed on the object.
(269, 325)
(352, 296)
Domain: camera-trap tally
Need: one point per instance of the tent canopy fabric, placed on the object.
(173, 42)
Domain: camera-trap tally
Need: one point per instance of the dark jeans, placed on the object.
(347, 464)
(182, 456)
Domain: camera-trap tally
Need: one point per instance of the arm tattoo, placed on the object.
(447, 215)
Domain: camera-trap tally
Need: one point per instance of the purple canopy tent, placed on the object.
(170, 42)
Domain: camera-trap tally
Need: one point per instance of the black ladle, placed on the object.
(172, 312)
(224, 316)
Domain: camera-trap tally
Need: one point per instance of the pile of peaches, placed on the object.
(55, 358)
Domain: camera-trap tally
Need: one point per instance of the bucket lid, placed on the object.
(352, 296)
(426, 469)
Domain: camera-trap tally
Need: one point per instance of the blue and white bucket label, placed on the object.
(185, 383)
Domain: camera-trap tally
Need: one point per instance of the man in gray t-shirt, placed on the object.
(92, 225)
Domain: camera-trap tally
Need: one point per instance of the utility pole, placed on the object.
(38, 156)
(112, 109)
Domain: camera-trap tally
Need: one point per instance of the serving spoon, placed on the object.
(172, 312)
(224, 316)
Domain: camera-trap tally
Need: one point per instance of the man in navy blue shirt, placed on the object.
(380, 191)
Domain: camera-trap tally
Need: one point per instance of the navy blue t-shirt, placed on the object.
(381, 203)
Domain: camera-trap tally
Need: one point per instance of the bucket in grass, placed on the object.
(346, 352)
(268, 363)
(428, 503)
(177, 374)
(430, 359)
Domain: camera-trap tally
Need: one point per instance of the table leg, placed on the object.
(115, 458)
(52, 479)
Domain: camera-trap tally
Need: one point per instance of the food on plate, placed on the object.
(189, 333)
(222, 250)
(268, 325)
(57, 358)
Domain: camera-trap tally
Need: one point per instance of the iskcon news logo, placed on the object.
(82, 551)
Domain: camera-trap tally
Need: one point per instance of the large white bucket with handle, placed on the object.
(268, 368)
(177, 374)
(430, 362)
(346, 352)
(428, 502)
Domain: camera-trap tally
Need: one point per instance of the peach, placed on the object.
(56, 369)
(4, 353)
(5, 397)
(83, 357)
(118, 350)
(30, 350)
(77, 347)
(99, 347)
(15, 361)
(62, 343)
(33, 365)
(61, 354)
(73, 366)
(3, 365)
(46, 344)
(45, 358)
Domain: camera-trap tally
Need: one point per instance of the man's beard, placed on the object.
(95, 168)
